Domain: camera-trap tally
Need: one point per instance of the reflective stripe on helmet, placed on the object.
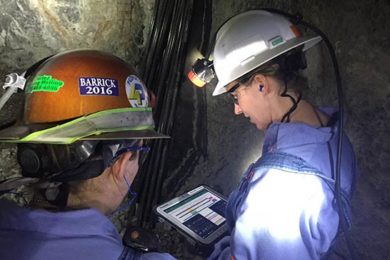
(101, 122)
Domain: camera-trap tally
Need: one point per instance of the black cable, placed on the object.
(162, 69)
(149, 73)
(206, 9)
(286, 117)
(155, 76)
(154, 45)
(175, 79)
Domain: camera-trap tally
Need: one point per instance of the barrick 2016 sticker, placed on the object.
(92, 86)
(136, 92)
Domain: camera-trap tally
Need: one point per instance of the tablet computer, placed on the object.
(199, 214)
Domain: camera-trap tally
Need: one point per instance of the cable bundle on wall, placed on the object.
(162, 72)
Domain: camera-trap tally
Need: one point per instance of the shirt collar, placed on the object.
(280, 136)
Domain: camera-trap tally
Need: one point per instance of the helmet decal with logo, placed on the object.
(136, 92)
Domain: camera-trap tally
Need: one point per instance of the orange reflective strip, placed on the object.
(295, 31)
(195, 80)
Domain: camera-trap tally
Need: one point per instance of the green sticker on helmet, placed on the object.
(46, 83)
(276, 41)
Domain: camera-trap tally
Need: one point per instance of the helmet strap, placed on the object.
(86, 170)
(58, 194)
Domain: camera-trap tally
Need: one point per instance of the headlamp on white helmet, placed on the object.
(202, 72)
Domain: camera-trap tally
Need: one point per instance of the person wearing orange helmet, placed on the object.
(86, 116)
(285, 206)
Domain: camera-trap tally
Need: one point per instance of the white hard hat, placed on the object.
(249, 40)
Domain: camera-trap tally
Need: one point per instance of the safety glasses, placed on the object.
(245, 80)
(231, 92)
(142, 150)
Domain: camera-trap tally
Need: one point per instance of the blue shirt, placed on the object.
(285, 207)
(78, 234)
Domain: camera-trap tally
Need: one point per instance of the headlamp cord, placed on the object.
(297, 19)
(286, 117)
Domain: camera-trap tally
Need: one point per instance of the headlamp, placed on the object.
(202, 72)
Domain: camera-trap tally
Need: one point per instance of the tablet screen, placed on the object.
(200, 210)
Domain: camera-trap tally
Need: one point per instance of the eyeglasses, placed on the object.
(232, 90)
(245, 80)
(133, 148)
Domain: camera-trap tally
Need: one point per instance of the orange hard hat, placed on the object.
(84, 94)
(77, 83)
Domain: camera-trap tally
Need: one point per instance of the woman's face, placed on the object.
(252, 101)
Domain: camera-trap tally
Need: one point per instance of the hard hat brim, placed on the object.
(122, 123)
(307, 41)
(15, 134)
(126, 135)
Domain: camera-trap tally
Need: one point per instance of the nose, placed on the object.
(237, 109)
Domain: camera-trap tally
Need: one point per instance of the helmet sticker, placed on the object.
(276, 41)
(45, 83)
(92, 86)
(136, 92)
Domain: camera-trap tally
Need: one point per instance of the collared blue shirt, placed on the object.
(78, 234)
(285, 206)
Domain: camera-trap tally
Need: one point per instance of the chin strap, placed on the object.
(286, 117)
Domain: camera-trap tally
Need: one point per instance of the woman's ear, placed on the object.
(119, 167)
(262, 83)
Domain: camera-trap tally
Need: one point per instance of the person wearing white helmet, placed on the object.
(85, 119)
(284, 207)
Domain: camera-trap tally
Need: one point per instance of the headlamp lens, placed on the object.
(202, 72)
